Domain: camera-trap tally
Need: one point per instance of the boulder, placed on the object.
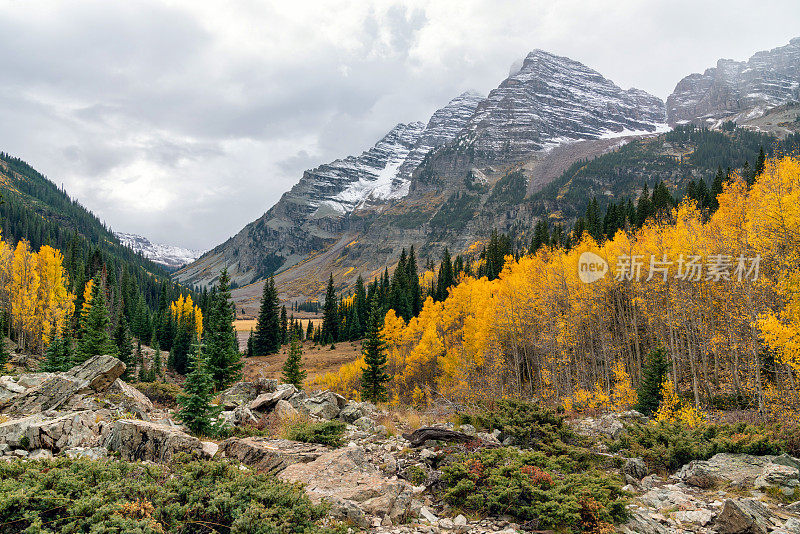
(642, 521)
(49, 395)
(266, 401)
(606, 426)
(240, 416)
(210, 449)
(743, 516)
(40, 454)
(325, 405)
(635, 468)
(31, 380)
(13, 432)
(76, 429)
(270, 455)
(129, 398)
(350, 412)
(353, 487)
(99, 371)
(243, 393)
(9, 389)
(739, 470)
(92, 453)
(668, 497)
(142, 440)
(285, 411)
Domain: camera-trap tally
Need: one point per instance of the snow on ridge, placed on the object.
(169, 255)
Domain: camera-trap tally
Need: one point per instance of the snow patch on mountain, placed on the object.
(167, 255)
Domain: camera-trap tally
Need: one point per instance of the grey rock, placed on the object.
(20, 453)
(700, 517)
(210, 449)
(91, 453)
(266, 401)
(364, 423)
(13, 431)
(129, 398)
(143, 440)
(285, 411)
(743, 516)
(243, 393)
(74, 429)
(346, 476)
(49, 395)
(40, 454)
(99, 371)
(468, 430)
(635, 467)
(270, 455)
(792, 525)
(351, 412)
(642, 521)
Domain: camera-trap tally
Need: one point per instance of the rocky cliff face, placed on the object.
(739, 89)
(318, 210)
(551, 100)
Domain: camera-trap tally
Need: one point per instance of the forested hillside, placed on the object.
(36, 210)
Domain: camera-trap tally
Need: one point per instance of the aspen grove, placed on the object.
(539, 332)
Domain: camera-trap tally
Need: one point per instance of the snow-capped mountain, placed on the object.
(549, 100)
(322, 205)
(167, 255)
(739, 89)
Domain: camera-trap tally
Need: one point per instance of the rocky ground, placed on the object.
(376, 481)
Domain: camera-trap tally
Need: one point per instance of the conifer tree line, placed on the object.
(346, 317)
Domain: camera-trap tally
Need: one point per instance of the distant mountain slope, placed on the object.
(170, 256)
(739, 89)
(319, 209)
(36, 210)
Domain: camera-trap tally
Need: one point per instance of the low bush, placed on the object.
(160, 392)
(547, 492)
(531, 427)
(65, 496)
(667, 445)
(325, 433)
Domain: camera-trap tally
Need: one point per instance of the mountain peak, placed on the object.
(739, 89)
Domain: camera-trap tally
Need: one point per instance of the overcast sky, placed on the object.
(183, 121)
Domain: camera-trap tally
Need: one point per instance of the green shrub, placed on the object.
(160, 392)
(666, 446)
(325, 433)
(531, 427)
(415, 474)
(65, 496)
(551, 491)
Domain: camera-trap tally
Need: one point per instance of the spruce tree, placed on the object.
(250, 339)
(412, 276)
(268, 328)
(123, 342)
(284, 326)
(95, 339)
(220, 344)
(310, 331)
(196, 410)
(292, 372)
(4, 354)
(649, 392)
(330, 316)
(181, 350)
(373, 376)
(57, 356)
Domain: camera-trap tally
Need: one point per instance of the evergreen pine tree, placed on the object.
(759, 168)
(123, 342)
(219, 338)
(4, 354)
(250, 340)
(649, 392)
(196, 410)
(412, 276)
(374, 377)
(181, 350)
(310, 331)
(55, 356)
(644, 209)
(284, 326)
(330, 316)
(445, 276)
(95, 339)
(267, 335)
(292, 372)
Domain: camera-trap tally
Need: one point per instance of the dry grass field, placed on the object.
(316, 360)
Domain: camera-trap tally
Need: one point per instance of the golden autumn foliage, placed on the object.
(538, 331)
(184, 310)
(674, 410)
(34, 292)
